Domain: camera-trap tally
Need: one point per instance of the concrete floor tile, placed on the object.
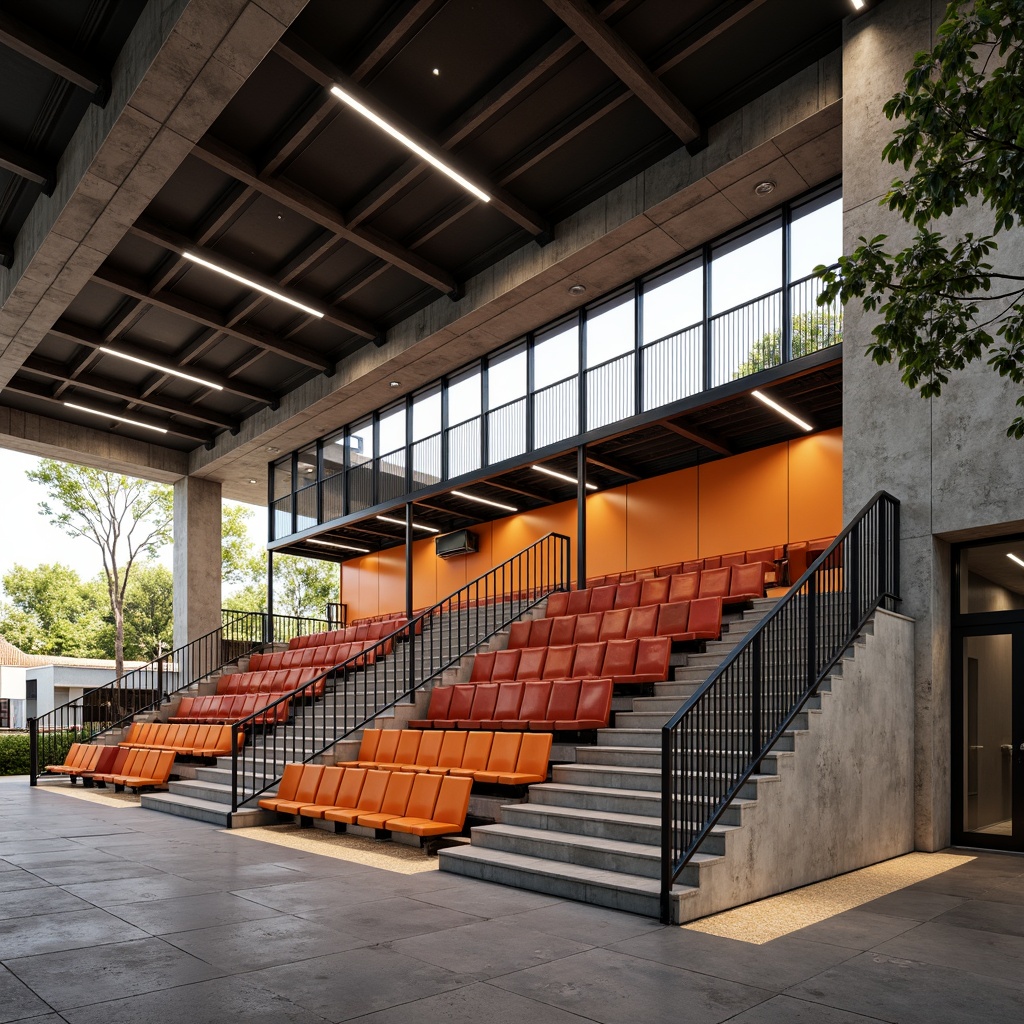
(136, 890)
(487, 900)
(46, 900)
(264, 943)
(73, 929)
(189, 913)
(986, 916)
(856, 929)
(989, 954)
(73, 872)
(597, 925)
(37, 847)
(917, 904)
(786, 1010)
(83, 976)
(386, 919)
(896, 989)
(208, 1002)
(18, 878)
(308, 896)
(17, 1000)
(488, 949)
(356, 982)
(614, 988)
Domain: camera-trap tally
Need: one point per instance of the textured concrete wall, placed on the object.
(948, 459)
(845, 798)
(197, 544)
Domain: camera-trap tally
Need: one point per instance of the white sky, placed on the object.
(27, 538)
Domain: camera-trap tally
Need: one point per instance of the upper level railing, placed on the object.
(395, 667)
(114, 704)
(716, 741)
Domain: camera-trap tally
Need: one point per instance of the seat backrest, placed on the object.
(440, 699)
(327, 791)
(108, 758)
(734, 558)
(362, 631)
(388, 746)
(759, 555)
(91, 757)
(462, 700)
(423, 795)
(595, 700)
(693, 565)
(504, 752)
(747, 579)
(452, 749)
(483, 701)
(121, 758)
(627, 595)
(705, 615)
(144, 767)
(711, 562)
(430, 748)
(654, 591)
(531, 663)
(653, 655)
(408, 746)
(602, 599)
(670, 569)
(619, 658)
(683, 587)
(562, 630)
(188, 738)
(588, 628)
(309, 783)
(161, 770)
(505, 665)
(478, 748)
(565, 695)
(629, 576)
(613, 624)
(715, 582)
(579, 602)
(519, 635)
(483, 666)
(375, 785)
(540, 633)
(558, 662)
(587, 661)
(535, 701)
(643, 621)
(672, 618)
(377, 630)
(396, 796)
(510, 696)
(350, 788)
(535, 752)
(557, 603)
(453, 800)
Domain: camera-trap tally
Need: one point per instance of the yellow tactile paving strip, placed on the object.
(758, 923)
(403, 860)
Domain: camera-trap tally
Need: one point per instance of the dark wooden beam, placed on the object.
(28, 167)
(612, 466)
(627, 66)
(6, 254)
(698, 437)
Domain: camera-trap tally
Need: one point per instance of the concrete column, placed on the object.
(197, 544)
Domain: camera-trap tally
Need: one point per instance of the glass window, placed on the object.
(283, 477)
(611, 329)
(426, 414)
(673, 301)
(306, 468)
(990, 580)
(556, 355)
(506, 377)
(360, 443)
(746, 267)
(334, 455)
(391, 429)
(816, 234)
(464, 397)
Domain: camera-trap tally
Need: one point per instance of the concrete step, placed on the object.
(636, 757)
(608, 776)
(206, 810)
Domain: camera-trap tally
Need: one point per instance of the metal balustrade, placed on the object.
(716, 741)
(392, 669)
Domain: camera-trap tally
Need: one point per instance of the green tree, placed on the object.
(149, 612)
(811, 332)
(124, 517)
(943, 301)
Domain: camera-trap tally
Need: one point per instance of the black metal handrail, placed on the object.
(393, 668)
(716, 741)
(112, 705)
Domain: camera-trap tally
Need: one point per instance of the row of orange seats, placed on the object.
(564, 705)
(221, 707)
(191, 739)
(276, 681)
(321, 657)
(680, 621)
(503, 758)
(366, 633)
(134, 768)
(417, 803)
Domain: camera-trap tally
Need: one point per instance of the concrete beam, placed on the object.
(197, 560)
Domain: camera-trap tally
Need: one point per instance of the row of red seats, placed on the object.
(367, 632)
(321, 657)
(680, 621)
(504, 758)
(275, 681)
(419, 804)
(231, 708)
(191, 740)
(770, 556)
(537, 706)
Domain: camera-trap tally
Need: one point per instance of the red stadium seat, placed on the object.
(534, 706)
(614, 623)
(483, 666)
(540, 633)
(557, 604)
(505, 665)
(565, 695)
(506, 709)
(484, 699)
(705, 621)
(531, 663)
(654, 591)
(579, 602)
(627, 595)
(558, 663)
(460, 706)
(588, 659)
(715, 582)
(603, 599)
(619, 659)
(593, 707)
(643, 621)
(519, 635)
(672, 619)
(588, 627)
(440, 700)
(562, 630)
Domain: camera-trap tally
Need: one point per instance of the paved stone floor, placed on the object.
(115, 914)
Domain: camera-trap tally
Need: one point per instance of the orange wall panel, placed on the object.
(662, 520)
(606, 531)
(816, 485)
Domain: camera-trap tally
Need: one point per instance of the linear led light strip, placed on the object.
(404, 139)
(341, 547)
(401, 522)
(484, 501)
(563, 476)
(280, 296)
(111, 416)
(1014, 558)
(782, 411)
(162, 369)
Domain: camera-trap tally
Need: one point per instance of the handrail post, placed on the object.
(33, 751)
(667, 782)
(852, 567)
(234, 769)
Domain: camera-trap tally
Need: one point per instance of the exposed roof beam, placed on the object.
(698, 437)
(311, 63)
(200, 314)
(381, 46)
(65, 328)
(118, 389)
(626, 65)
(46, 53)
(41, 393)
(28, 167)
(450, 513)
(232, 163)
(178, 243)
(6, 254)
(612, 466)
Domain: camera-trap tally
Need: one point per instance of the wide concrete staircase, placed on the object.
(593, 833)
(205, 793)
